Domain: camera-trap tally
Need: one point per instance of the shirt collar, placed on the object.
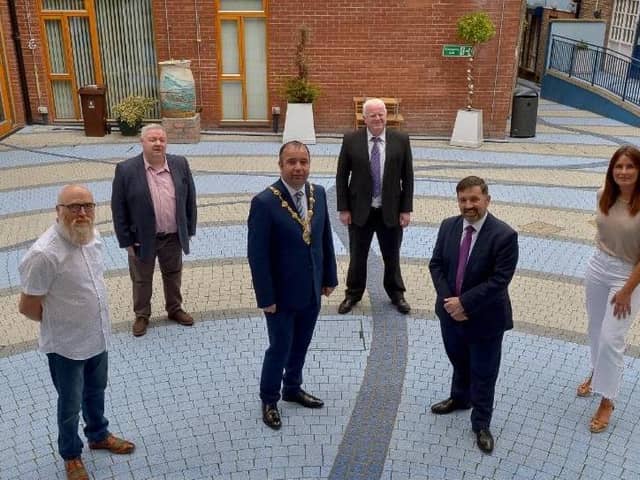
(382, 136)
(164, 168)
(292, 191)
(476, 225)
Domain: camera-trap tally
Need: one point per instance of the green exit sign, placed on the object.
(457, 51)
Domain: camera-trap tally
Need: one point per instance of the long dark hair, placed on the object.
(612, 190)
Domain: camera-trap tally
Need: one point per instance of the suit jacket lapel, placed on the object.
(142, 176)
(285, 193)
(454, 249)
(480, 245)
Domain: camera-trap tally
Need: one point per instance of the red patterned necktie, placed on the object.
(465, 247)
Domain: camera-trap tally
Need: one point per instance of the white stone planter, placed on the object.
(467, 131)
(298, 124)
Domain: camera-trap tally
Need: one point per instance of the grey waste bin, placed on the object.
(524, 113)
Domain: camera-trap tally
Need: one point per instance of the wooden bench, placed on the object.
(394, 117)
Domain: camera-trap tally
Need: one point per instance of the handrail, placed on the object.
(596, 47)
(599, 66)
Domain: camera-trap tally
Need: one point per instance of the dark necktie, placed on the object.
(299, 206)
(465, 247)
(375, 167)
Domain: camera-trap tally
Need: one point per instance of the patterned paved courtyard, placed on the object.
(188, 396)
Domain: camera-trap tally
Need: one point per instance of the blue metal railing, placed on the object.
(598, 66)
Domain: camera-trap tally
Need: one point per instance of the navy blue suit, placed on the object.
(290, 274)
(474, 346)
(132, 207)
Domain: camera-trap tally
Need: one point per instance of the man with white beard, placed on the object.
(62, 278)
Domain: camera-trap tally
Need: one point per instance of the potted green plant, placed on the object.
(130, 112)
(474, 29)
(300, 94)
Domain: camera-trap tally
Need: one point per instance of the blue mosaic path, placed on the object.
(540, 255)
(187, 396)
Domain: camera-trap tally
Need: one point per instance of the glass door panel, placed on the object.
(230, 51)
(83, 66)
(55, 41)
(243, 66)
(63, 99)
(241, 5)
(256, 68)
(232, 100)
(63, 5)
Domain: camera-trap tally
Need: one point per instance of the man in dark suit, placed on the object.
(290, 250)
(153, 203)
(473, 261)
(374, 184)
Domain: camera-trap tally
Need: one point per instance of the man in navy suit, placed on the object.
(473, 261)
(374, 186)
(290, 250)
(153, 203)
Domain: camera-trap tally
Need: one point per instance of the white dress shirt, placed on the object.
(376, 202)
(292, 191)
(474, 236)
(75, 314)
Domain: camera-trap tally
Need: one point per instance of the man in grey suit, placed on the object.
(153, 202)
(374, 184)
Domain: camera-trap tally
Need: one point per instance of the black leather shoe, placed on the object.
(271, 416)
(402, 305)
(346, 305)
(447, 406)
(485, 440)
(304, 399)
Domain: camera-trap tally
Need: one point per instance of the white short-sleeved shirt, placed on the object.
(75, 317)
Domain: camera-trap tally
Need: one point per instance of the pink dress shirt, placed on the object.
(163, 195)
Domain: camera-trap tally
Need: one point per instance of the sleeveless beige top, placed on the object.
(618, 233)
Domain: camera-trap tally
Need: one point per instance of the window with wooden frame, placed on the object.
(98, 41)
(72, 56)
(242, 60)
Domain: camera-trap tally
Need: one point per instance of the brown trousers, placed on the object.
(169, 254)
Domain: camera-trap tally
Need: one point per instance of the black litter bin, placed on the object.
(524, 113)
(94, 110)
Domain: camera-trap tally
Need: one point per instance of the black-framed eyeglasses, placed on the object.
(77, 207)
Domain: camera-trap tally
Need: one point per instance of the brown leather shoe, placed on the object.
(140, 326)
(182, 317)
(75, 469)
(114, 445)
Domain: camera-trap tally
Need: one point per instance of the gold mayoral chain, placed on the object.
(304, 223)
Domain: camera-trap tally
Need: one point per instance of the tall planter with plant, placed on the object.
(474, 28)
(300, 94)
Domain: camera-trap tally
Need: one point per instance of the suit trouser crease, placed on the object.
(607, 334)
(476, 366)
(80, 385)
(389, 240)
(169, 254)
(290, 333)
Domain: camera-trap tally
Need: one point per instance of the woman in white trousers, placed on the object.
(613, 273)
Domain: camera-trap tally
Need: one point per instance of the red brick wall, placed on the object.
(377, 47)
(588, 7)
(29, 29)
(11, 67)
(393, 48)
